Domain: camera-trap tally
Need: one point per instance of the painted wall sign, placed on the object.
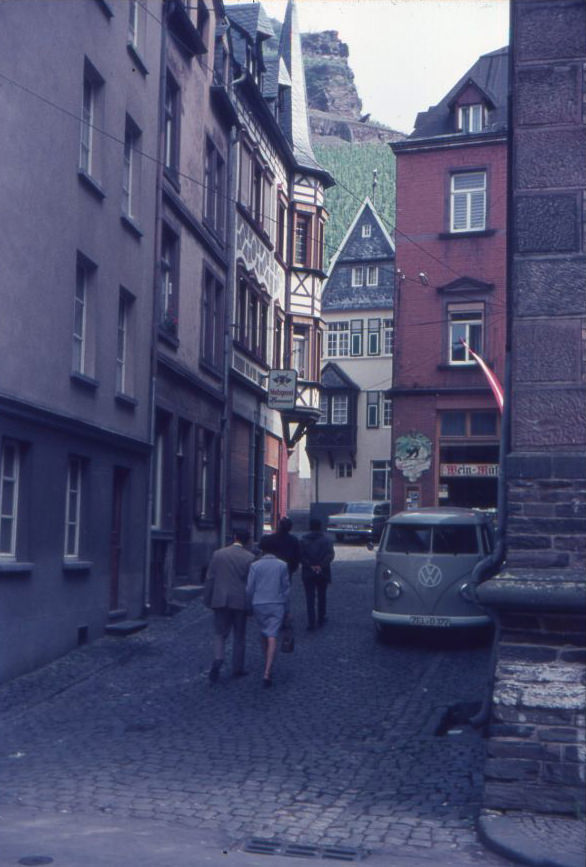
(452, 470)
(413, 455)
(282, 389)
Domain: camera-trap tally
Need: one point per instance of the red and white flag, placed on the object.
(493, 381)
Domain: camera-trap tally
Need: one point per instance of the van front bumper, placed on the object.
(437, 621)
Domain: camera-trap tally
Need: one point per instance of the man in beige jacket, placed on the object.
(225, 594)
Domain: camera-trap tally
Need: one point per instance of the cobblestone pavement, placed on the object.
(343, 750)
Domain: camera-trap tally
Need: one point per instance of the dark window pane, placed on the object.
(453, 424)
(455, 539)
(409, 539)
(483, 424)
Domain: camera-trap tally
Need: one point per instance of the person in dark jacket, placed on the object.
(317, 552)
(286, 545)
(225, 594)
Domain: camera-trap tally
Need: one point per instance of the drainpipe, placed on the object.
(226, 421)
(155, 314)
(494, 561)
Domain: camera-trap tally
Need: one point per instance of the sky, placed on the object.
(405, 54)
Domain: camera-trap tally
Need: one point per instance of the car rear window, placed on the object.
(417, 539)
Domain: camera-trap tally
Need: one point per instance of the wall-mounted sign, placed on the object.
(282, 389)
(413, 455)
(461, 470)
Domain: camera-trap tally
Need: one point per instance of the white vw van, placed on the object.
(424, 566)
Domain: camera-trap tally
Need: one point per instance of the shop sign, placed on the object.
(463, 470)
(413, 455)
(282, 389)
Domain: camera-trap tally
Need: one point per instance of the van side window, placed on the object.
(455, 539)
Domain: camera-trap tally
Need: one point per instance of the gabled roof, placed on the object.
(490, 75)
(252, 19)
(377, 249)
(332, 376)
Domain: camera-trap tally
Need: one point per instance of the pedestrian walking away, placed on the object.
(225, 594)
(267, 590)
(317, 552)
(287, 545)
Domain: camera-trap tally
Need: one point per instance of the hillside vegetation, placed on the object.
(352, 168)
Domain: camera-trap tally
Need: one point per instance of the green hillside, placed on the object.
(352, 165)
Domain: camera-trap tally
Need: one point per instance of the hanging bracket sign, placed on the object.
(282, 389)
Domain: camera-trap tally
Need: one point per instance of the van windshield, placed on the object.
(417, 539)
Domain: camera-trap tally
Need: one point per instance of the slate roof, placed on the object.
(295, 120)
(250, 22)
(490, 75)
(377, 249)
(332, 376)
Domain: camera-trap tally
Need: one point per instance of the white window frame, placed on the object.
(122, 344)
(9, 515)
(376, 468)
(372, 275)
(171, 126)
(338, 339)
(474, 318)
(356, 337)
(80, 301)
(468, 201)
(88, 111)
(324, 405)
(133, 21)
(73, 496)
(357, 275)
(130, 178)
(366, 230)
(387, 412)
(300, 351)
(471, 118)
(344, 470)
(388, 337)
(339, 409)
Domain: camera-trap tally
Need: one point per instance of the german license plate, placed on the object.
(429, 620)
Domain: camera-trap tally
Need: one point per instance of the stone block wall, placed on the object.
(536, 751)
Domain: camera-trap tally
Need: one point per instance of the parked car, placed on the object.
(363, 518)
(424, 564)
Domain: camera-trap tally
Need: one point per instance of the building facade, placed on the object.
(350, 444)
(176, 222)
(536, 745)
(450, 294)
(275, 320)
(78, 240)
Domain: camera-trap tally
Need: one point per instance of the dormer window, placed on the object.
(471, 118)
(366, 230)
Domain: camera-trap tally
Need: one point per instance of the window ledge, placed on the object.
(128, 223)
(168, 338)
(106, 8)
(137, 59)
(83, 380)
(171, 175)
(91, 184)
(211, 368)
(465, 366)
(77, 565)
(471, 233)
(13, 567)
(125, 400)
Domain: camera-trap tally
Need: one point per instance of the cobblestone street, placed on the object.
(343, 750)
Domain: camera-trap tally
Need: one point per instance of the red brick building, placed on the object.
(451, 264)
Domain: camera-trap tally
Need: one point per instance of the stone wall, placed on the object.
(536, 749)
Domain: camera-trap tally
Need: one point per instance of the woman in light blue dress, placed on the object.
(267, 590)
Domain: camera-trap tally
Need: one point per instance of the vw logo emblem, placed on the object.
(429, 575)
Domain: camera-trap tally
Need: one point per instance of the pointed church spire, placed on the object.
(295, 120)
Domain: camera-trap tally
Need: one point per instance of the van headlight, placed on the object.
(468, 592)
(392, 590)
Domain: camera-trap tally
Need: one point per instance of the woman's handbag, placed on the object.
(287, 637)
